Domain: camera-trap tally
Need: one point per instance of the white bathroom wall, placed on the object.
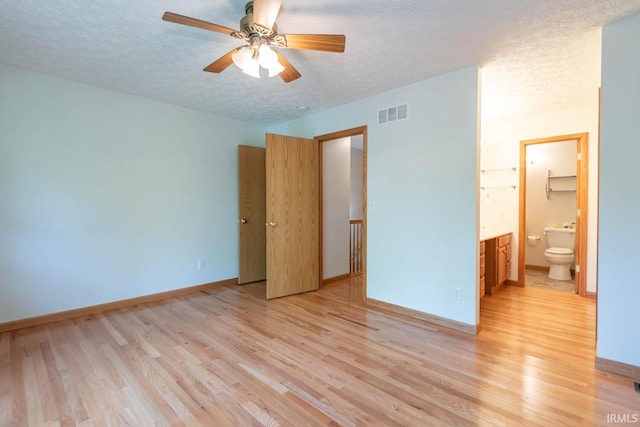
(560, 207)
(356, 184)
(500, 147)
(336, 177)
(106, 196)
(422, 190)
(619, 257)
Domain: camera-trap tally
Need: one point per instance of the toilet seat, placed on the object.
(558, 251)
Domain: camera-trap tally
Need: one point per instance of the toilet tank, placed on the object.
(561, 237)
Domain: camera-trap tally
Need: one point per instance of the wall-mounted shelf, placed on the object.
(501, 178)
(498, 186)
(498, 169)
(549, 178)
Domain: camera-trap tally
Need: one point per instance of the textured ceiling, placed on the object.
(535, 54)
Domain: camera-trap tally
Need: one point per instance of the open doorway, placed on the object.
(343, 168)
(553, 204)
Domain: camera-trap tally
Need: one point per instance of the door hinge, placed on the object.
(577, 212)
(579, 156)
(577, 268)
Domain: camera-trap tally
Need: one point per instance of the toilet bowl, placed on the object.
(560, 260)
(561, 242)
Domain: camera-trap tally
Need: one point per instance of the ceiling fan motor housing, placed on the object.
(247, 21)
(251, 28)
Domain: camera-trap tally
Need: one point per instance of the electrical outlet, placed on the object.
(456, 294)
(200, 264)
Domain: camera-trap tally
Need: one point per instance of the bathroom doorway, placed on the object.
(553, 193)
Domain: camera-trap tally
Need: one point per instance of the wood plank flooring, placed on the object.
(227, 357)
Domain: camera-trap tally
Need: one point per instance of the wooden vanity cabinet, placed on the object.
(497, 263)
(504, 259)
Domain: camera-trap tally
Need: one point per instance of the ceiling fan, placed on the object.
(259, 30)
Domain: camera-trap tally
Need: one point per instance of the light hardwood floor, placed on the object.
(228, 357)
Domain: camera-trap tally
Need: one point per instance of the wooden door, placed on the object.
(252, 263)
(293, 208)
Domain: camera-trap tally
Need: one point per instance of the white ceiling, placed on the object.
(535, 54)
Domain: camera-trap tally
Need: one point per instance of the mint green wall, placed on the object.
(422, 178)
(619, 230)
(106, 196)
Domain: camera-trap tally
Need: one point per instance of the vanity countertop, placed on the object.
(492, 234)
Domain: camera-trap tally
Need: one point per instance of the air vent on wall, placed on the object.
(402, 112)
(392, 114)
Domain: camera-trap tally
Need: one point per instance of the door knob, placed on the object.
(271, 224)
(242, 221)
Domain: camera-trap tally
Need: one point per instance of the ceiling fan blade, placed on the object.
(290, 73)
(324, 42)
(192, 22)
(221, 64)
(265, 12)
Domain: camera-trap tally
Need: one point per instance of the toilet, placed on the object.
(561, 243)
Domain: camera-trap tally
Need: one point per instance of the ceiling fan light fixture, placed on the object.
(243, 60)
(252, 70)
(267, 59)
